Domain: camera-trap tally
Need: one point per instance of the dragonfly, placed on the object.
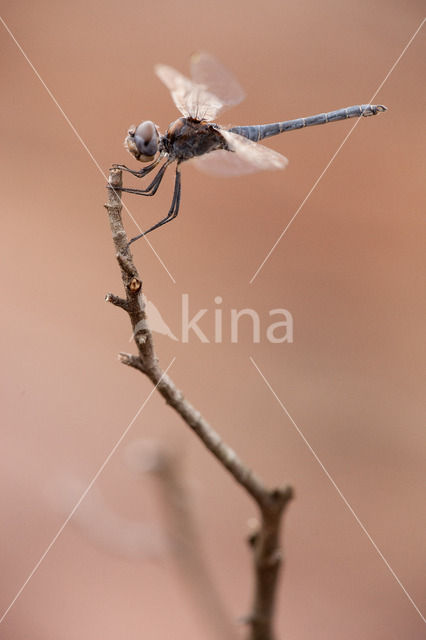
(213, 148)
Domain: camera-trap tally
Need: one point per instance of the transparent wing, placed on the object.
(193, 100)
(245, 157)
(207, 71)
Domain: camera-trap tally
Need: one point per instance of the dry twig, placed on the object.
(271, 503)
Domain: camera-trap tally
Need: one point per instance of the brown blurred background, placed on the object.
(349, 270)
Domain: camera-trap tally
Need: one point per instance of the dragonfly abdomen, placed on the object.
(260, 131)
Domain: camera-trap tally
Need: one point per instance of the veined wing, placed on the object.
(245, 157)
(193, 100)
(209, 72)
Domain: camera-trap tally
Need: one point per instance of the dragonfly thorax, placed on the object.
(187, 138)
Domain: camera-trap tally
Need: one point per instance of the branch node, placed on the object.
(278, 498)
(141, 338)
(286, 493)
(135, 285)
(117, 301)
(131, 361)
(252, 538)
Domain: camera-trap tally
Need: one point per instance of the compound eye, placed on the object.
(146, 139)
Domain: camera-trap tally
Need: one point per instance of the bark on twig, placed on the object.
(271, 503)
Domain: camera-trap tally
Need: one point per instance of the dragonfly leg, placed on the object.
(173, 211)
(142, 172)
(151, 188)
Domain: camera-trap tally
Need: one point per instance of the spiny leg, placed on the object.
(142, 172)
(173, 211)
(151, 188)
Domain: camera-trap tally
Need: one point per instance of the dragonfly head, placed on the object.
(142, 141)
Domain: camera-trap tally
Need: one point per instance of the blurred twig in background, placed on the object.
(271, 503)
(164, 465)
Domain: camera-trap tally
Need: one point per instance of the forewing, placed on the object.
(245, 157)
(209, 72)
(193, 100)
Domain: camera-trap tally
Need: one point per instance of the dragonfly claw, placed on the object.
(120, 167)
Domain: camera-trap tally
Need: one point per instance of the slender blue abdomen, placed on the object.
(260, 131)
